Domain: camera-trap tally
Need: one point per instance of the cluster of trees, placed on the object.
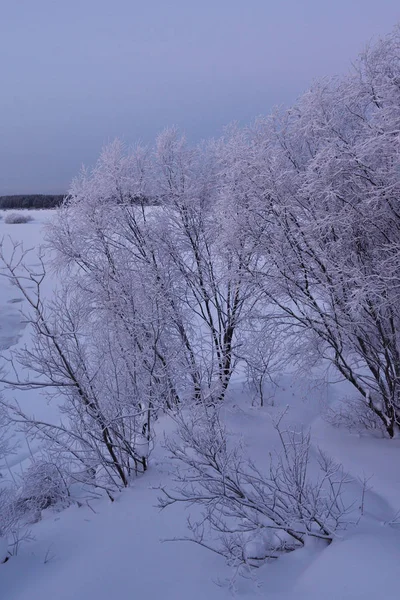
(283, 235)
(31, 201)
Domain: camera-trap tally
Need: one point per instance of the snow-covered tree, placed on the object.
(79, 363)
(319, 188)
(165, 266)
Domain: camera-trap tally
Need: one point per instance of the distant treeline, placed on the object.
(31, 201)
(52, 201)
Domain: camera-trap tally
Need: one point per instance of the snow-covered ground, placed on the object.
(102, 549)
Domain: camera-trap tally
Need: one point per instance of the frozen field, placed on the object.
(31, 235)
(102, 550)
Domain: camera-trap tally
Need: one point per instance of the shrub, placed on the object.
(256, 515)
(355, 415)
(16, 218)
(43, 486)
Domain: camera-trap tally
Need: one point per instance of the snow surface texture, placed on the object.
(102, 550)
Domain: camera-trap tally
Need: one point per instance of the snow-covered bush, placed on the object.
(355, 415)
(43, 486)
(255, 513)
(17, 218)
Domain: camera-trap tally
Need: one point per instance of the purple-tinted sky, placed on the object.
(77, 73)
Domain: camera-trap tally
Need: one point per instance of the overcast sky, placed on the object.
(78, 73)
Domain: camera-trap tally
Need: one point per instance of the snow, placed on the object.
(113, 552)
(363, 566)
(102, 549)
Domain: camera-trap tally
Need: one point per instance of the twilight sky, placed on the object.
(75, 74)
